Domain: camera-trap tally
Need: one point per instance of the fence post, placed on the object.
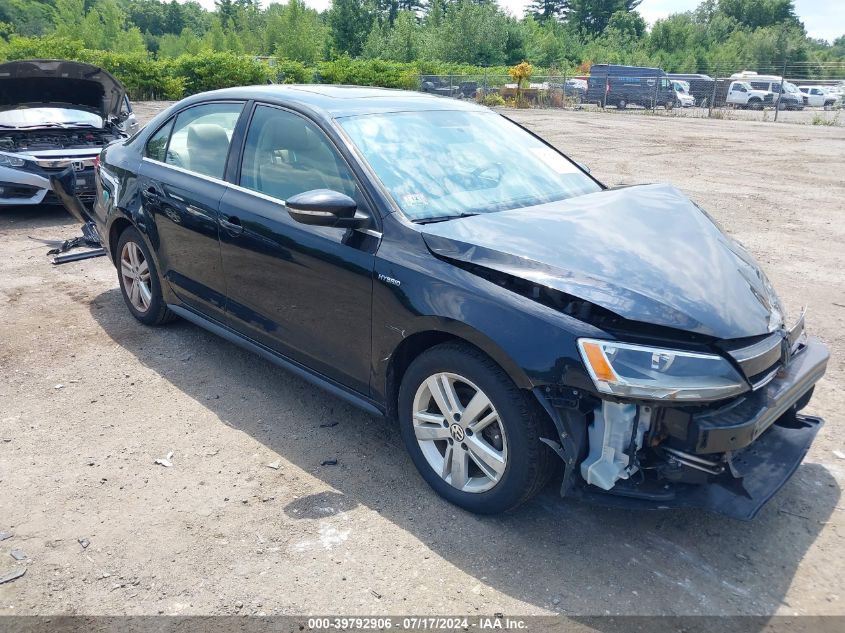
(712, 98)
(780, 92)
(654, 99)
(563, 87)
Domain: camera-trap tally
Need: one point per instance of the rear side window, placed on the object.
(157, 144)
(201, 136)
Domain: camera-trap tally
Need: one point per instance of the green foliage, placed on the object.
(593, 16)
(491, 100)
(170, 48)
(372, 72)
(295, 32)
(209, 71)
(351, 22)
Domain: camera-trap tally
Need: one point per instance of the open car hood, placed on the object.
(646, 253)
(40, 82)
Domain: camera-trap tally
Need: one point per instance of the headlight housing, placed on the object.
(653, 373)
(10, 160)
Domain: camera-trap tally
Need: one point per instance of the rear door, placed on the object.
(304, 291)
(181, 183)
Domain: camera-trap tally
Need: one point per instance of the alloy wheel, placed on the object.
(460, 432)
(135, 273)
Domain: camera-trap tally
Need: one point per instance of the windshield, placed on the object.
(442, 164)
(48, 117)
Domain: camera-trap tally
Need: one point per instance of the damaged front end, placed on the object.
(729, 455)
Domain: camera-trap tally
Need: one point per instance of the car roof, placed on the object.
(341, 101)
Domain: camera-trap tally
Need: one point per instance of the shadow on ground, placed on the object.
(551, 552)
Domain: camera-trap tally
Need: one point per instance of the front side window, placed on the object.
(285, 154)
(440, 164)
(157, 144)
(201, 135)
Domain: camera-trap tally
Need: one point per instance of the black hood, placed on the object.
(646, 253)
(45, 81)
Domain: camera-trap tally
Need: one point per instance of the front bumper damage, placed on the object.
(729, 459)
(31, 184)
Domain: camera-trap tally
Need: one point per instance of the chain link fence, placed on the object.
(745, 95)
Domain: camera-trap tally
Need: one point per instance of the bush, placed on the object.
(289, 71)
(210, 71)
(492, 99)
(369, 72)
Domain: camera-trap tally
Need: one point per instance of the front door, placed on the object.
(181, 183)
(304, 291)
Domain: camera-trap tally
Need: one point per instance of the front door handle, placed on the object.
(232, 224)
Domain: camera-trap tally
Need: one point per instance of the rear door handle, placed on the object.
(151, 194)
(232, 224)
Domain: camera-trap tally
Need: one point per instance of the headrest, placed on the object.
(293, 136)
(207, 136)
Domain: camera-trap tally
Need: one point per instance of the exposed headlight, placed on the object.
(10, 160)
(639, 371)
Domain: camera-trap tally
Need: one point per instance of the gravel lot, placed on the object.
(90, 398)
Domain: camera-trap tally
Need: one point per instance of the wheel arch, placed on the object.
(413, 345)
(118, 226)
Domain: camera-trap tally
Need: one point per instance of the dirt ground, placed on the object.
(89, 399)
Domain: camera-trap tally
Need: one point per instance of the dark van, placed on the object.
(620, 86)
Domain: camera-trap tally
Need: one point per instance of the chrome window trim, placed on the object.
(182, 170)
(258, 194)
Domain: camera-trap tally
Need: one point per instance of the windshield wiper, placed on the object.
(444, 218)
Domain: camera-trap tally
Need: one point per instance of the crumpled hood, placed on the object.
(646, 253)
(48, 81)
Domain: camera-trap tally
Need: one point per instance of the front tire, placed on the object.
(139, 280)
(471, 432)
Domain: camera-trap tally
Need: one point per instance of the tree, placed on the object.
(471, 33)
(592, 16)
(402, 43)
(69, 17)
(227, 11)
(544, 10)
(295, 31)
(351, 21)
(760, 13)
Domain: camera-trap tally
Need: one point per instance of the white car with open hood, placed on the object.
(53, 115)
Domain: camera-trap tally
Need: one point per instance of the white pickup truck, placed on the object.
(816, 96)
(742, 95)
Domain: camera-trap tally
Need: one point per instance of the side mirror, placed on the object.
(324, 207)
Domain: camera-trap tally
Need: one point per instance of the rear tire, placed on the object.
(621, 104)
(139, 281)
(483, 452)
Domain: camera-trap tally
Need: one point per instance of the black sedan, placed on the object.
(433, 262)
